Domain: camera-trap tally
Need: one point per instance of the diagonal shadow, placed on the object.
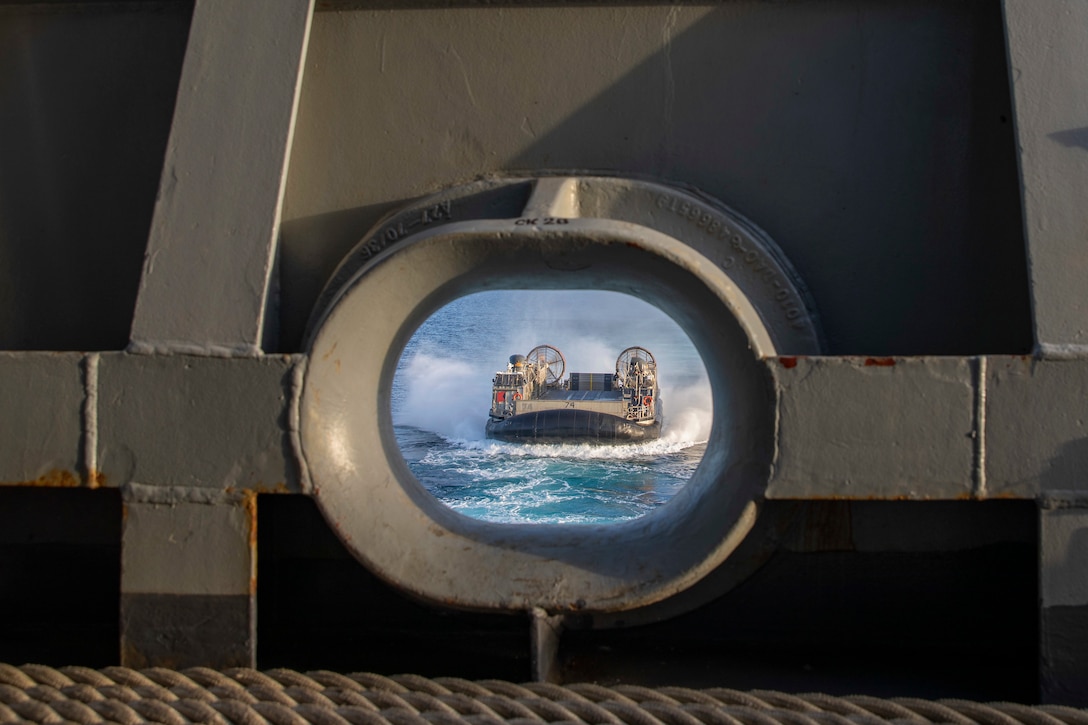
(1073, 138)
(870, 140)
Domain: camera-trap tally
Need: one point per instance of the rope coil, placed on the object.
(35, 693)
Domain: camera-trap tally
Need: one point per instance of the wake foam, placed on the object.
(451, 398)
(442, 392)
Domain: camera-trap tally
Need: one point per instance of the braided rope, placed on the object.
(35, 693)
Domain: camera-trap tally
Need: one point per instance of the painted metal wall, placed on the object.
(917, 162)
(873, 142)
(88, 92)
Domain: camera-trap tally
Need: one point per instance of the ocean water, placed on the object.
(442, 391)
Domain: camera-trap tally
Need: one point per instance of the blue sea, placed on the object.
(442, 392)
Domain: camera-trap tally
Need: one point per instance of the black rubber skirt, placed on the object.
(571, 425)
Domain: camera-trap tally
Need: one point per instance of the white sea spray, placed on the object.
(442, 392)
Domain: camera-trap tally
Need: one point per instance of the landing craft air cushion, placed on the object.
(530, 400)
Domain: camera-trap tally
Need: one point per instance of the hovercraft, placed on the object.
(531, 401)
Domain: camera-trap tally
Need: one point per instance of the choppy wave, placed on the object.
(442, 391)
(577, 451)
(549, 483)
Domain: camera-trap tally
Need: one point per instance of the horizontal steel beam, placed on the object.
(923, 428)
(909, 428)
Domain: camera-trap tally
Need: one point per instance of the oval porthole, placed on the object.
(591, 429)
(720, 279)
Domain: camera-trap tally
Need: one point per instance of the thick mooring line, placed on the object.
(35, 693)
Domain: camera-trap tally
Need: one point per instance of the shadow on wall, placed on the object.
(86, 98)
(1065, 472)
(1073, 138)
(1064, 592)
(871, 141)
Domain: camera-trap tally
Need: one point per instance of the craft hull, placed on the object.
(571, 425)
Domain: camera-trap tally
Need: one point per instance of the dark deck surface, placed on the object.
(582, 395)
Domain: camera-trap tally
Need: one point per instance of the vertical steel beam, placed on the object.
(188, 582)
(1048, 52)
(1063, 595)
(188, 577)
(207, 275)
(544, 633)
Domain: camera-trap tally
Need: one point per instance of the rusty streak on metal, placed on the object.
(131, 656)
(56, 478)
(60, 478)
(249, 506)
(883, 362)
(256, 488)
(788, 362)
(999, 496)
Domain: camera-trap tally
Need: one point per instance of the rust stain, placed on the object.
(1006, 496)
(883, 362)
(131, 656)
(999, 496)
(57, 478)
(332, 349)
(249, 505)
(788, 362)
(968, 496)
(336, 362)
(280, 487)
(60, 478)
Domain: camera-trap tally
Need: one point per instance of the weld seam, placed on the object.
(294, 428)
(980, 427)
(90, 419)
